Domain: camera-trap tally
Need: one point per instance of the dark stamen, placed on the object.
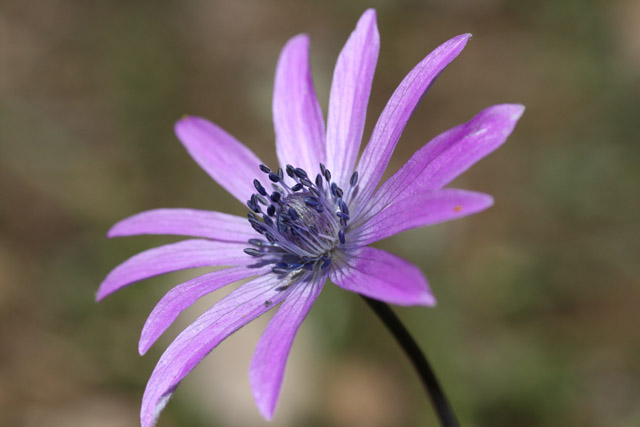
(290, 171)
(274, 177)
(311, 201)
(252, 252)
(264, 169)
(275, 197)
(259, 187)
(354, 179)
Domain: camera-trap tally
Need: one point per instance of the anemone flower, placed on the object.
(310, 219)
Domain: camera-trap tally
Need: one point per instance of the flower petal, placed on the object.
(183, 296)
(419, 210)
(380, 275)
(269, 360)
(297, 117)
(225, 159)
(185, 222)
(202, 336)
(448, 155)
(393, 119)
(172, 257)
(349, 97)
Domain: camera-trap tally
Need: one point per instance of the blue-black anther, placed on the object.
(319, 208)
(311, 201)
(354, 179)
(270, 237)
(275, 197)
(343, 206)
(251, 216)
(254, 207)
(280, 174)
(271, 210)
(257, 242)
(341, 236)
(274, 177)
(322, 168)
(301, 173)
(258, 227)
(282, 265)
(326, 262)
(306, 182)
(267, 220)
(252, 252)
(264, 169)
(293, 214)
(335, 190)
(327, 175)
(342, 215)
(319, 181)
(259, 187)
(297, 187)
(290, 170)
(261, 200)
(284, 217)
(280, 270)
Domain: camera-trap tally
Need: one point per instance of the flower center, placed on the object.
(302, 222)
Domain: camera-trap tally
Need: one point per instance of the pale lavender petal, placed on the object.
(184, 295)
(297, 117)
(349, 97)
(173, 257)
(227, 161)
(269, 360)
(448, 155)
(185, 222)
(395, 115)
(202, 336)
(418, 210)
(380, 275)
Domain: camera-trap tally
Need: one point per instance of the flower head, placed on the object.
(310, 219)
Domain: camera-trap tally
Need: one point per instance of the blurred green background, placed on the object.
(537, 321)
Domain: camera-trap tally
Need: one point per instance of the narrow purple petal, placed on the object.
(202, 336)
(380, 275)
(172, 257)
(350, 89)
(227, 161)
(269, 360)
(185, 222)
(418, 210)
(448, 155)
(393, 119)
(297, 117)
(186, 294)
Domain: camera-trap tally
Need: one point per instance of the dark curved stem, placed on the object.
(438, 399)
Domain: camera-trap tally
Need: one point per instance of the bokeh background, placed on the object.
(537, 321)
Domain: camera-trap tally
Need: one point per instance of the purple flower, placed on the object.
(309, 220)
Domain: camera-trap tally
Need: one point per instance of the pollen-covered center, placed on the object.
(302, 221)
